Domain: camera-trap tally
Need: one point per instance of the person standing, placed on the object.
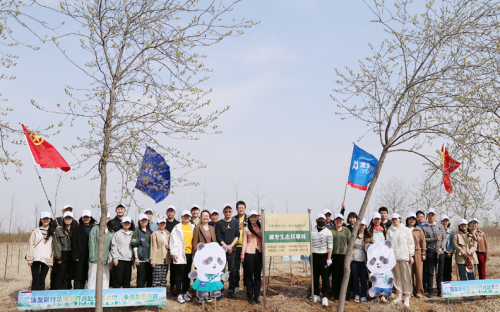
(160, 254)
(449, 249)
(352, 217)
(116, 223)
(435, 238)
(384, 214)
(328, 218)
(39, 255)
(421, 219)
(141, 244)
(377, 230)
(195, 215)
(482, 252)
(61, 246)
(404, 251)
(227, 232)
(417, 267)
(122, 255)
(242, 219)
(153, 226)
(171, 223)
(80, 249)
(203, 232)
(93, 251)
(358, 262)
(341, 236)
(181, 250)
(60, 220)
(251, 256)
(465, 252)
(214, 218)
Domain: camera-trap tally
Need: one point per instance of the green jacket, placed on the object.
(94, 242)
(340, 240)
(61, 242)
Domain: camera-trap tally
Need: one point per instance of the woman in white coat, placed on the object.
(404, 250)
(181, 250)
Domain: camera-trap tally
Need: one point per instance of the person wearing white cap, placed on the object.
(60, 221)
(80, 249)
(141, 244)
(377, 229)
(93, 258)
(251, 256)
(447, 254)
(404, 250)
(181, 249)
(61, 246)
(116, 224)
(465, 252)
(417, 268)
(152, 225)
(358, 264)
(171, 223)
(203, 232)
(328, 220)
(341, 236)
(39, 254)
(435, 238)
(122, 255)
(160, 254)
(195, 215)
(214, 218)
(322, 247)
(482, 251)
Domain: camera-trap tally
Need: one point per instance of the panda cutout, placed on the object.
(380, 262)
(209, 261)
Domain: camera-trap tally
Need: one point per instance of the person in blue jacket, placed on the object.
(449, 250)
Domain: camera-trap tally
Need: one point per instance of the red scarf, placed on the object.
(378, 227)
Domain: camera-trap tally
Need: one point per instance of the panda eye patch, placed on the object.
(373, 260)
(207, 261)
(384, 260)
(219, 261)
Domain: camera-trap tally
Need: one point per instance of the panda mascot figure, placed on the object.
(209, 261)
(380, 260)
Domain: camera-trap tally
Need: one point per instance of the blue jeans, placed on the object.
(464, 276)
(359, 273)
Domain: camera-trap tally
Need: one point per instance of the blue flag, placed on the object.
(154, 176)
(363, 167)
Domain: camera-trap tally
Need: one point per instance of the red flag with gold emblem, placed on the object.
(448, 165)
(44, 153)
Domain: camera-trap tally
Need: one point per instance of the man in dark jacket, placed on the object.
(171, 223)
(384, 215)
(227, 232)
(60, 221)
(242, 219)
(116, 222)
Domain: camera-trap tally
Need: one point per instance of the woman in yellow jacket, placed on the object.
(465, 248)
(160, 254)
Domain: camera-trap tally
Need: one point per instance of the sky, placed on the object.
(281, 136)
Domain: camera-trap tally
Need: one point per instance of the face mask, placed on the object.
(320, 223)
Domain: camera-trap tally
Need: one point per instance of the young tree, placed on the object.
(143, 60)
(394, 195)
(428, 192)
(408, 89)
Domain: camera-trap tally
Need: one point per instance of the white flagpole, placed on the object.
(349, 171)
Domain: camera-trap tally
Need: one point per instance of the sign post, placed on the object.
(264, 255)
(311, 257)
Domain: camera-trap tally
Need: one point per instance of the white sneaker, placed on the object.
(316, 298)
(356, 298)
(180, 299)
(399, 298)
(187, 298)
(382, 298)
(363, 299)
(407, 301)
(325, 301)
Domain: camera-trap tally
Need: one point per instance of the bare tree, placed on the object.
(204, 201)
(36, 213)
(394, 195)
(288, 206)
(13, 205)
(258, 197)
(428, 192)
(236, 187)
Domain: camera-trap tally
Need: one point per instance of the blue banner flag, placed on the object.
(363, 167)
(154, 176)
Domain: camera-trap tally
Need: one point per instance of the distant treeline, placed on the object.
(22, 237)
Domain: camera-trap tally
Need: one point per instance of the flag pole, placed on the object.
(345, 190)
(39, 177)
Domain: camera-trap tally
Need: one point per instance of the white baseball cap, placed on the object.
(160, 221)
(431, 210)
(143, 216)
(126, 219)
(44, 214)
(339, 215)
(149, 209)
(444, 217)
(86, 213)
(195, 207)
(227, 205)
(252, 213)
(68, 214)
(411, 215)
(321, 215)
(214, 211)
(327, 211)
(186, 212)
(363, 221)
(67, 206)
(473, 219)
(376, 215)
(395, 216)
(120, 205)
(462, 221)
(171, 207)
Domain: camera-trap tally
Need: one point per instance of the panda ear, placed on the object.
(200, 246)
(367, 246)
(225, 248)
(388, 243)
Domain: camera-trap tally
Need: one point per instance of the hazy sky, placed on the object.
(281, 132)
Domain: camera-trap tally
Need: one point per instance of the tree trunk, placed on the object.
(6, 259)
(350, 247)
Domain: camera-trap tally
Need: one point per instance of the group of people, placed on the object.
(423, 248)
(70, 247)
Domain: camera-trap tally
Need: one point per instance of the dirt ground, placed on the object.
(286, 292)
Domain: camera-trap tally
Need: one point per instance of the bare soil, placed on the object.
(286, 292)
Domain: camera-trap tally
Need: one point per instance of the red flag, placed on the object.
(448, 165)
(44, 153)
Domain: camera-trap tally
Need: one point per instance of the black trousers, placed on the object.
(337, 274)
(173, 277)
(61, 273)
(230, 260)
(252, 270)
(183, 282)
(237, 268)
(448, 265)
(321, 270)
(122, 274)
(39, 272)
(144, 275)
(431, 261)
